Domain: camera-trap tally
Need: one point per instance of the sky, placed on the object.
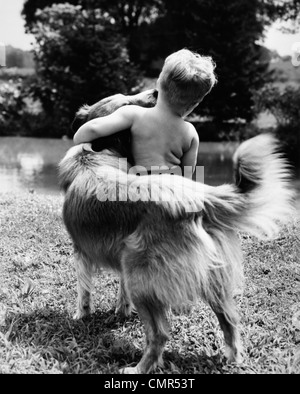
(12, 30)
(12, 25)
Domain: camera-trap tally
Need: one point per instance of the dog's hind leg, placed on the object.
(124, 305)
(84, 287)
(156, 327)
(228, 319)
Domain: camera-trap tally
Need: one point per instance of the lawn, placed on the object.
(38, 298)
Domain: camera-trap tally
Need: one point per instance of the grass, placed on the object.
(38, 298)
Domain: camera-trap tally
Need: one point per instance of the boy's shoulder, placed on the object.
(130, 111)
(191, 130)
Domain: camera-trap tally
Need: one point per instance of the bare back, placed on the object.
(159, 139)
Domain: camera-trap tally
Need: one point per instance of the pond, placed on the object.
(30, 164)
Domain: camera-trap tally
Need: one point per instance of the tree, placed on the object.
(16, 57)
(285, 107)
(216, 28)
(128, 15)
(288, 10)
(227, 30)
(31, 6)
(80, 58)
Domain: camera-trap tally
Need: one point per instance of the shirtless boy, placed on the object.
(160, 135)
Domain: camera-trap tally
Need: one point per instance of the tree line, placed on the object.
(88, 49)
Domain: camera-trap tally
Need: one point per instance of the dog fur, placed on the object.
(175, 250)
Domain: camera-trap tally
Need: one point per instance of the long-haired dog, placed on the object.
(172, 240)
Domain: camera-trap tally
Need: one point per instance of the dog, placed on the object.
(173, 241)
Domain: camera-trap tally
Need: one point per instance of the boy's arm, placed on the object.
(121, 119)
(189, 158)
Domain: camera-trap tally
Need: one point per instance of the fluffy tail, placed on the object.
(259, 202)
(262, 196)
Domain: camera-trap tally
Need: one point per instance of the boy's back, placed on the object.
(158, 138)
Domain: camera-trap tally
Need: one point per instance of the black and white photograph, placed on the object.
(150, 189)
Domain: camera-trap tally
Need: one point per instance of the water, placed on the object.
(30, 164)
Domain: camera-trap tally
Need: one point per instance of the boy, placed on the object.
(160, 135)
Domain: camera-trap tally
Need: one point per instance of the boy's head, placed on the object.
(185, 79)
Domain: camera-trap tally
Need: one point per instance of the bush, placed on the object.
(11, 108)
(285, 106)
(80, 59)
(20, 114)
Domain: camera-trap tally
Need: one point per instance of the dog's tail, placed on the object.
(261, 199)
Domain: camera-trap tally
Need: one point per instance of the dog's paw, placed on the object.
(130, 370)
(239, 359)
(77, 316)
(125, 309)
(80, 315)
(233, 355)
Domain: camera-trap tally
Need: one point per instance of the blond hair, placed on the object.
(186, 78)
